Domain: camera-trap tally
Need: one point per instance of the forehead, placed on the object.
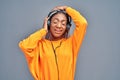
(59, 16)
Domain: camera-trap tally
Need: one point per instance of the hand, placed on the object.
(60, 7)
(45, 26)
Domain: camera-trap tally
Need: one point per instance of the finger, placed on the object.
(45, 23)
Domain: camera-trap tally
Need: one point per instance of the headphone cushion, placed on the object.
(48, 23)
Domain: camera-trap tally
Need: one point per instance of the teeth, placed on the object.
(58, 31)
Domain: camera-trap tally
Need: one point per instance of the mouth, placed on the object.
(58, 31)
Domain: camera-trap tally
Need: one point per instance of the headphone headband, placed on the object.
(56, 11)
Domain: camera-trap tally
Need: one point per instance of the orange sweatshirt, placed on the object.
(54, 60)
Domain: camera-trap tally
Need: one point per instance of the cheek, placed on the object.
(52, 26)
(52, 29)
(64, 29)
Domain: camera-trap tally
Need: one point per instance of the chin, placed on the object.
(58, 36)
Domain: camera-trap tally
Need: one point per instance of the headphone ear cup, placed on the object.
(48, 24)
(68, 27)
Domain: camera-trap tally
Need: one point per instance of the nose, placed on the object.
(59, 25)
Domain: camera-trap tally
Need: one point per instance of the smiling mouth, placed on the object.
(58, 31)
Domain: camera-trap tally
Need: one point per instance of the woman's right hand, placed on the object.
(45, 26)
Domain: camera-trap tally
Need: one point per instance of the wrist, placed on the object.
(45, 29)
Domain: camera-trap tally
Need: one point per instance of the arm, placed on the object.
(80, 29)
(29, 44)
(30, 48)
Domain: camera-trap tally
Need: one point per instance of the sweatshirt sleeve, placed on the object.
(30, 48)
(80, 29)
(29, 44)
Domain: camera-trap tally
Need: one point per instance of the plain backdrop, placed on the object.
(99, 56)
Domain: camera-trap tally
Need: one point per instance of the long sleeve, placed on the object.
(30, 48)
(80, 29)
(30, 43)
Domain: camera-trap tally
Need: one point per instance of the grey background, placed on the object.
(99, 57)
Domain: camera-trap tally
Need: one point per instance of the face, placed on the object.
(58, 26)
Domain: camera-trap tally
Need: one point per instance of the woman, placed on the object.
(50, 53)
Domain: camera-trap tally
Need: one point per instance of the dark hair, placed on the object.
(53, 13)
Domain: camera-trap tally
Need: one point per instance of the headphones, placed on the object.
(52, 13)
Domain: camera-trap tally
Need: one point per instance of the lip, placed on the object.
(58, 31)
